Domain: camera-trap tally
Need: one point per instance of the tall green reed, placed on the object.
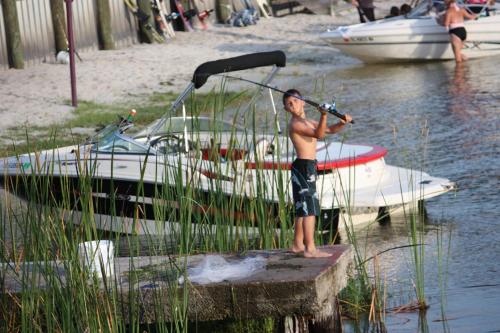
(224, 217)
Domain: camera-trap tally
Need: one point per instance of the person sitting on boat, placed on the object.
(405, 9)
(304, 134)
(394, 12)
(365, 9)
(454, 22)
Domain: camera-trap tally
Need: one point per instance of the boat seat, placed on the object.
(215, 154)
(260, 150)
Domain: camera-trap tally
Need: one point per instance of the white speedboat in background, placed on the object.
(416, 37)
(137, 182)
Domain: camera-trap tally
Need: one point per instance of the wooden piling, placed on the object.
(104, 29)
(223, 10)
(147, 25)
(15, 49)
(59, 24)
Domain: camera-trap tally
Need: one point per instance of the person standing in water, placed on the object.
(365, 8)
(304, 134)
(454, 22)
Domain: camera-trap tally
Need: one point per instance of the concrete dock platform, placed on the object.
(288, 286)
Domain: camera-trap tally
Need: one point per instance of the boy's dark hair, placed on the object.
(291, 92)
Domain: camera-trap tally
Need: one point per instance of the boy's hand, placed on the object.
(348, 119)
(323, 110)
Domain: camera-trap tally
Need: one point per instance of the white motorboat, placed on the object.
(417, 36)
(136, 182)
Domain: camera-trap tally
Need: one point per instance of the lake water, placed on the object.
(444, 119)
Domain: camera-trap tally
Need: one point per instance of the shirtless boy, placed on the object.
(454, 22)
(304, 134)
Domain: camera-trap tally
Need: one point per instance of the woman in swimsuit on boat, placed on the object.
(454, 22)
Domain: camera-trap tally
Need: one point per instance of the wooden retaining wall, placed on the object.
(123, 24)
(4, 61)
(37, 30)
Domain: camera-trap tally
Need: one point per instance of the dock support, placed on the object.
(301, 324)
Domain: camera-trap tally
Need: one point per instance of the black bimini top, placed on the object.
(246, 61)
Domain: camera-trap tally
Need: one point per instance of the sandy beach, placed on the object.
(40, 95)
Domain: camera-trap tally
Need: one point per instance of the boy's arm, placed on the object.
(338, 126)
(468, 15)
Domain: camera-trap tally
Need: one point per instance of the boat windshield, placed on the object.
(106, 131)
(177, 125)
(112, 142)
(424, 8)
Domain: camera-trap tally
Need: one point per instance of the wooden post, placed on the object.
(104, 25)
(301, 324)
(145, 27)
(59, 24)
(15, 49)
(223, 10)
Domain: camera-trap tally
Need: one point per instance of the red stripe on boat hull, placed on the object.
(376, 153)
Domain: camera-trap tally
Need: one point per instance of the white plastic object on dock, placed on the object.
(214, 268)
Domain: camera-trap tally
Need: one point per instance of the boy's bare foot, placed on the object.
(316, 254)
(297, 249)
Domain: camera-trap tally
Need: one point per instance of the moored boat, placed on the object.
(142, 182)
(418, 36)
